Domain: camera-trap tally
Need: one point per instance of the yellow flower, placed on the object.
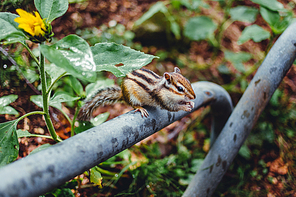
(34, 25)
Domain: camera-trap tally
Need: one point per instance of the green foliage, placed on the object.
(108, 55)
(254, 32)
(51, 9)
(243, 13)
(277, 22)
(4, 102)
(62, 191)
(273, 5)
(9, 29)
(160, 7)
(24, 133)
(237, 59)
(194, 31)
(71, 55)
(76, 61)
(9, 144)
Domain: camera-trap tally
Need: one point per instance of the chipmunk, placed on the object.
(172, 92)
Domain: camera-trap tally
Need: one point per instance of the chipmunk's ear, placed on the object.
(177, 70)
(168, 77)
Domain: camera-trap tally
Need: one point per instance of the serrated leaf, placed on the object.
(108, 55)
(243, 13)
(254, 32)
(9, 31)
(51, 9)
(9, 145)
(199, 28)
(6, 100)
(37, 99)
(270, 4)
(59, 98)
(73, 54)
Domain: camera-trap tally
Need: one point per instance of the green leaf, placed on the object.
(8, 110)
(24, 133)
(9, 32)
(96, 177)
(160, 7)
(54, 71)
(196, 163)
(6, 100)
(59, 98)
(199, 28)
(277, 22)
(73, 54)
(83, 126)
(40, 148)
(99, 119)
(76, 85)
(9, 145)
(237, 58)
(245, 152)
(37, 99)
(271, 17)
(157, 7)
(51, 9)
(243, 13)
(108, 55)
(254, 32)
(92, 88)
(270, 4)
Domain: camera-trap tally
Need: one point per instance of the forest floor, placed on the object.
(278, 158)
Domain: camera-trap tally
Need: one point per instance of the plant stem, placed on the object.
(31, 53)
(45, 96)
(51, 86)
(31, 113)
(73, 121)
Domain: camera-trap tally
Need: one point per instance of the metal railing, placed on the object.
(41, 172)
(268, 77)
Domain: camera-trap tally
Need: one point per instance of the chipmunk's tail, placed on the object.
(103, 97)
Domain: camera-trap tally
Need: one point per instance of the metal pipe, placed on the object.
(43, 171)
(243, 118)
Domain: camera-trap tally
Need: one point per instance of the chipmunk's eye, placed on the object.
(180, 89)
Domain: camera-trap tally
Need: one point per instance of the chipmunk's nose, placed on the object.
(191, 95)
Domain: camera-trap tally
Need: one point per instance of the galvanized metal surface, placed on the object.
(236, 130)
(39, 173)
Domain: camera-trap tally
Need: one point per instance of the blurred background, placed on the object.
(222, 41)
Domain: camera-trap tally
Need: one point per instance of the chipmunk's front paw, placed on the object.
(189, 106)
